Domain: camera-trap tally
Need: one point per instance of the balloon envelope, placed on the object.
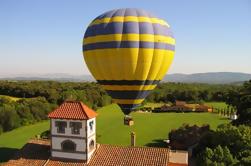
(128, 51)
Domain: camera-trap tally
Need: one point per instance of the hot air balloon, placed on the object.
(128, 51)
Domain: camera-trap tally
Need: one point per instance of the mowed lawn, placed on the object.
(150, 128)
(11, 141)
(218, 105)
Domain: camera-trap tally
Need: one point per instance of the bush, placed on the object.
(226, 139)
(1, 129)
(23, 112)
(217, 156)
(46, 134)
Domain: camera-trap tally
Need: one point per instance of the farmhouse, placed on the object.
(73, 142)
(182, 106)
(203, 108)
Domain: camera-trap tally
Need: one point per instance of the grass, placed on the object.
(153, 105)
(218, 105)
(150, 128)
(10, 97)
(11, 141)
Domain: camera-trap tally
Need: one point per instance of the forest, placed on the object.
(37, 98)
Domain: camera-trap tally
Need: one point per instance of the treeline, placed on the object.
(194, 93)
(14, 114)
(93, 95)
(39, 97)
(57, 92)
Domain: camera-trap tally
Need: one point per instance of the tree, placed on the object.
(1, 129)
(218, 156)
(237, 139)
(241, 100)
(186, 136)
(11, 120)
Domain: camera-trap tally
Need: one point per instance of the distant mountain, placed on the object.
(210, 78)
(50, 77)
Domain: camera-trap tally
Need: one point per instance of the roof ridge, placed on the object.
(82, 105)
(72, 110)
(128, 146)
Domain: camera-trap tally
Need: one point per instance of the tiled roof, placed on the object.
(73, 110)
(34, 153)
(110, 155)
(129, 156)
(176, 164)
(105, 155)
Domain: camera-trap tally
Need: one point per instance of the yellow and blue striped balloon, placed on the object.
(128, 51)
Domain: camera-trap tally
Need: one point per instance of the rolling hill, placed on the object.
(210, 77)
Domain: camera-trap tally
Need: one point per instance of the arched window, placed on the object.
(68, 146)
(91, 145)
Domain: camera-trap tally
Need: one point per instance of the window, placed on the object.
(68, 146)
(75, 127)
(61, 125)
(91, 145)
(91, 125)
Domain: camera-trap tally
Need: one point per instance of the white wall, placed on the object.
(69, 155)
(68, 129)
(89, 132)
(91, 135)
(80, 143)
(90, 152)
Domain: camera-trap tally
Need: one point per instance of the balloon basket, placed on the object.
(128, 120)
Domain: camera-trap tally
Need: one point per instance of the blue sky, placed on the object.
(38, 37)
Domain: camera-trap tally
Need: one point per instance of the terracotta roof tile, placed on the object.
(34, 153)
(176, 164)
(105, 155)
(73, 110)
(129, 156)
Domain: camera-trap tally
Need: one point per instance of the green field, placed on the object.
(15, 139)
(153, 105)
(10, 97)
(150, 128)
(218, 105)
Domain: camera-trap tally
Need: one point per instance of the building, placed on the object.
(37, 153)
(73, 127)
(73, 142)
(203, 108)
(178, 106)
(179, 103)
(182, 106)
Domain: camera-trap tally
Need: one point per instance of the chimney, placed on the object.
(133, 139)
